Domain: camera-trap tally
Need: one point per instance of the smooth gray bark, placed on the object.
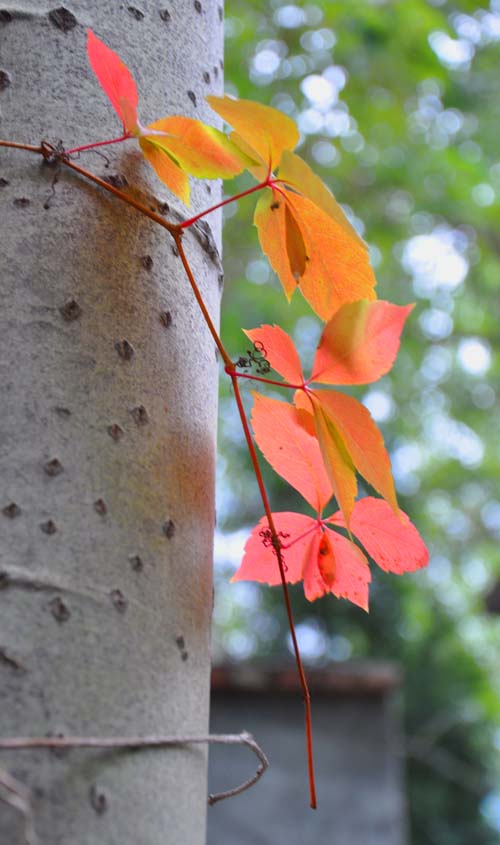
(107, 433)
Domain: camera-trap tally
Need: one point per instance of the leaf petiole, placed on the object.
(231, 372)
(85, 147)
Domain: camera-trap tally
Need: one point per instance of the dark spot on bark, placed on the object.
(221, 64)
(70, 311)
(136, 563)
(12, 510)
(48, 527)
(208, 188)
(4, 182)
(206, 77)
(169, 529)
(11, 662)
(175, 251)
(100, 507)
(147, 262)
(117, 180)
(62, 412)
(5, 16)
(181, 645)
(140, 415)
(274, 206)
(58, 752)
(216, 71)
(220, 279)
(163, 207)
(192, 97)
(166, 319)
(53, 467)
(165, 15)
(221, 13)
(125, 349)
(98, 800)
(21, 202)
(59, 610)
(197, 5)
(63, 19)
(119, 600)
(115, 431)
(4, 80)
(136, 13)
(4, 580)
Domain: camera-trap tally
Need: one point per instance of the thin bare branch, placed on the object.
(135, 743)
(16, 795)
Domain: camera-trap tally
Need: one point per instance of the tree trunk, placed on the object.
(107, 433)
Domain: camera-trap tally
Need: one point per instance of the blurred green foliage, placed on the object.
(398, 106)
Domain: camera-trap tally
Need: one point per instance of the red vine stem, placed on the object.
(232, 372)
(50, 154)
(267, 183)
(123, 137)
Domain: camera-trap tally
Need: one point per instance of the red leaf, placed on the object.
(279, 350)
(360, 342)
(292, 452)
(116, 80)
(392, 541)
(259, 560)
(326, 561)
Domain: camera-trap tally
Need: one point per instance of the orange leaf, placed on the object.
(334, 564)
(292, 452)
(116, 80)
(360, 343)
(199, 149)
(173, 176)
(270, 221)
(259, 560)
(279, 350)
(337, 460)
(338, 268)
(264, 130)
(361, 438)
(392, 541)
(295, 172)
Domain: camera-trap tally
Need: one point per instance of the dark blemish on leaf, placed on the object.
(100, 507)
(206, 77)
(4, 580)
(5, 16)
(9, 661)
(140, 415)
(63, 19)
(117, 180)
(125, 349)
(115, 431)
(12, 510)
(98, 800)
(4, 182)
(166, 319)
(64, 413)
(175, 251)
(119, 600)
(21, 202)
(59, 610)
(147, 262)
(4, 80)
(165, 15)
(53, 467)
(169, 529)
(192, 97)
(136, 563)
(274, 206)
(48, 527)
(136, 13)
(181, 645)
(197, 5)
(70, 311)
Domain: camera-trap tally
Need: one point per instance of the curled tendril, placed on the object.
(256, 357)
